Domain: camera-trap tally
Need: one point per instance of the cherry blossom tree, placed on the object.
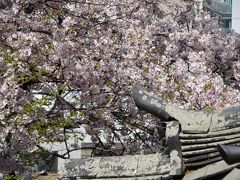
(72, 63)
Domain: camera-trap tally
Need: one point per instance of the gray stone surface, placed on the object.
(210, 134)
(194, 122)
(209, 145)
(233, 175)
(210, 170)
(191, 121)
(118, 166)
(82, 167)
(225, 118)
(154, 177)
(172, 138)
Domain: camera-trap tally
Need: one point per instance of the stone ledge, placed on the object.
(118, 166)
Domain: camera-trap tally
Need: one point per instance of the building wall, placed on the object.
(236, 15)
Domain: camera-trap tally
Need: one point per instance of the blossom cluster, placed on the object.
(73, 63)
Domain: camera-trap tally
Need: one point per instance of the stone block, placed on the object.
(210, 170)
(118, 166)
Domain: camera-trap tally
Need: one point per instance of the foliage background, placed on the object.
(72, 63)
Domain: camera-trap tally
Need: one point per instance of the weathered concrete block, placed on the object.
(118, 166)
(82, 167)
(153, 164)
(172, 136)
